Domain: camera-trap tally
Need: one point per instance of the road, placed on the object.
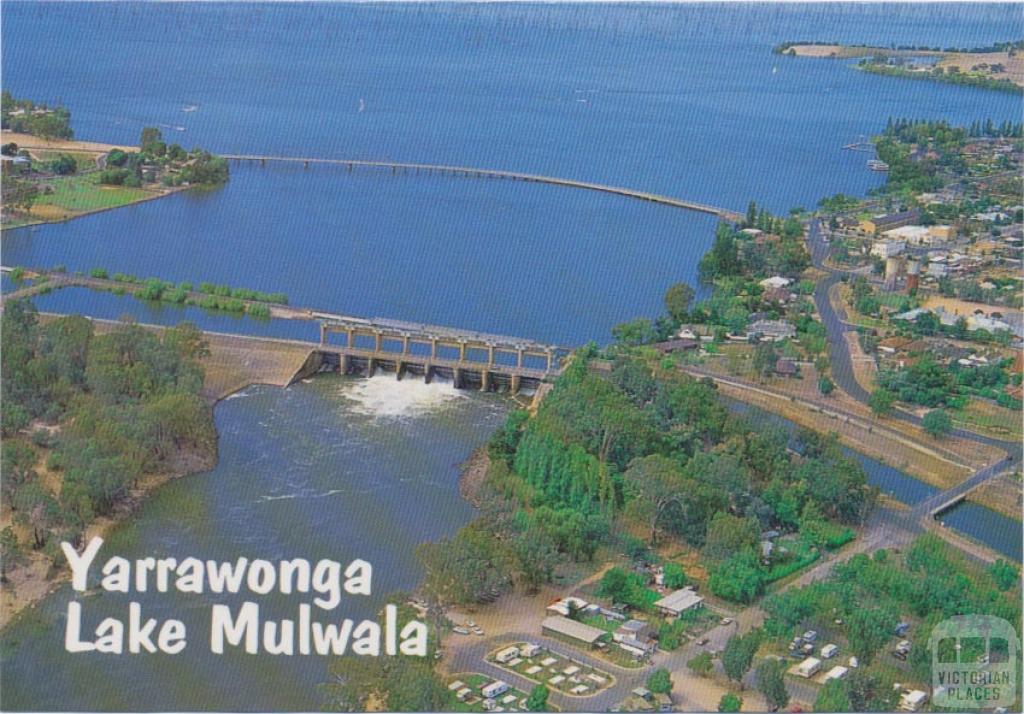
(842, 364)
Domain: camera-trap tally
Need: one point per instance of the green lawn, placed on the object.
(83, 193)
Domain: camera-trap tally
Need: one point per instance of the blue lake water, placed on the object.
(681, 100)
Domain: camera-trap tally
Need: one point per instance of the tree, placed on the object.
(730, 703)
(937, 423)
(868, 630)
(658, 484)
(826, 386)
(833, 698)
(151, 136)
(10, 552)
(660, 681)
(677, 301)
(739, 578)
(738, 655)
(771, 684)
(881, 401)
(764, 358)
(729, 534)
(674, 576)
(1004, 574)
(701, 664)
(614, 584)
(537, 701)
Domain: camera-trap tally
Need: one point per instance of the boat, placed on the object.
(877, 165)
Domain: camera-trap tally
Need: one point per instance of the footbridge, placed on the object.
(396, 167)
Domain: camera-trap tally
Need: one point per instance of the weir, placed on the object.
(471, 360)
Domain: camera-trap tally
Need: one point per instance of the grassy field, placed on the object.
(990, 419)
(83, 193)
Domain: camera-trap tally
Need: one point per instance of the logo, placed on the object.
(974, 662)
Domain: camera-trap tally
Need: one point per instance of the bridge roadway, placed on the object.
(470, 172)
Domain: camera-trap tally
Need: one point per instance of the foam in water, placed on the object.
(385, 396)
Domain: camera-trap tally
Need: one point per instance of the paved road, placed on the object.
(842, 365)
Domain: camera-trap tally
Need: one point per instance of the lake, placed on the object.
(682, 100)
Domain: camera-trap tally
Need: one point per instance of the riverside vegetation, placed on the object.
(85, 417)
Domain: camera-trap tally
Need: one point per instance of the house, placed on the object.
(912, 700)
(779, 295)
(675, 604)
(809, 667)
(567, 605)
(494, 689)
(772, 330)
(785, 368)
(776, 281)
(636, 636)
(567, 629)
(877, 224)
(892, 345)
(942, 233)
(887, 248)
(676, 345)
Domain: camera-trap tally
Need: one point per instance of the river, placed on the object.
(685, 100)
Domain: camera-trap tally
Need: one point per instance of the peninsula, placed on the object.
(999, 67)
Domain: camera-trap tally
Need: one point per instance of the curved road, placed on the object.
(842, 373)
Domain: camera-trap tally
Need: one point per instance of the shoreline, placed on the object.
(34, 144)
(472, 474)
(31, 583)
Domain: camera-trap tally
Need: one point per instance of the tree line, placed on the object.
(99, 411)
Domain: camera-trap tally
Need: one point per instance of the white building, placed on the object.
(776, 281)
(912, 235)
(912, 700)
(675, 604)
(887, 248)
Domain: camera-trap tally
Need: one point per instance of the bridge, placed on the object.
(470, 172)
(355, 345)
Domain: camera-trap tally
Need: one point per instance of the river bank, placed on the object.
(234, 363)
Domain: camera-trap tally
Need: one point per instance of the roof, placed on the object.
(785, 366)
(680, 600)
(572, 628)
(910, 215)
(673, 345)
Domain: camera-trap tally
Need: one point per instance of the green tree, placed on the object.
(739, 579)
(764, 358)
(868, 630)
(658, 484)
(660, 681)
(729, 534)
(771, 684)
(826, 386)
(701, 664)
(738, 655)
(881, 401)
(11, 553)
(937, 423)
(730, 703)
(1004, 574)
(674, 576)
(833, 698)
(537, 701)
(677, 301)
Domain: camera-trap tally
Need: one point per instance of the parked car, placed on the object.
(460, 630)
(703, 641)
(726, 621)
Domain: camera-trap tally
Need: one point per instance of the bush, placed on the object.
(99, 273)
